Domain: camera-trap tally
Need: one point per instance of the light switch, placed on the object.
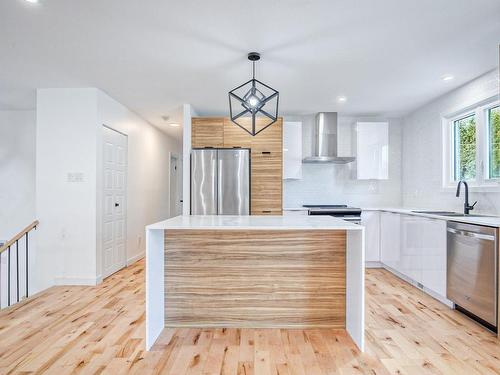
(75, 177)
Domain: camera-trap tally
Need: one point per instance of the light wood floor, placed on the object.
(87, 330)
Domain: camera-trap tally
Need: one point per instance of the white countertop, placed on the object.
(255, 223)
(492, 221)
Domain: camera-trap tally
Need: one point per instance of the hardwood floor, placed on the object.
(100, 330)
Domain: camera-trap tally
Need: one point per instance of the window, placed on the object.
(471, 149)
(494, 142)
(464, 130)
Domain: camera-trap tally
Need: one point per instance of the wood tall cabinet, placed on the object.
(266, 157)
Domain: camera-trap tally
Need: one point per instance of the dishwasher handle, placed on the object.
(466, 233)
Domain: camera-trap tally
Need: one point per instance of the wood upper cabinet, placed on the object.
(269, 140)
(234, 136)
(207, 132)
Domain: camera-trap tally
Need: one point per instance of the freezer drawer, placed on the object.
(472, 269)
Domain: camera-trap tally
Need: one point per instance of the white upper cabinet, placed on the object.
(372, 150)
(292, 150)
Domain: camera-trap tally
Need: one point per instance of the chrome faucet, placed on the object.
(467, 207)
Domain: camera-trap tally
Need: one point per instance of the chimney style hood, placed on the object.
(325, 138)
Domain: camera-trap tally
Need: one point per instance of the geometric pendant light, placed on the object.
(253, 106)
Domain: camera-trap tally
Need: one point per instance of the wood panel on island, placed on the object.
(266, 157)
(279, 279)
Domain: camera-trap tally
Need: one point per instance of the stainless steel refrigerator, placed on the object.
(220, 182)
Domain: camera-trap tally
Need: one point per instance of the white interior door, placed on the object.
(114, 205)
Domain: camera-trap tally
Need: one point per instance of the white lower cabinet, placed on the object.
(294, 212)
(434, 255)
(371, 221)
(390, 243)
(411, 247)
(415, 247)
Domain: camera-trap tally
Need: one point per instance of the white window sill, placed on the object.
(493, 187)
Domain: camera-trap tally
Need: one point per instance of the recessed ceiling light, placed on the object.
(447, 77)
(174, 125)
(341, 99)
(32, 1)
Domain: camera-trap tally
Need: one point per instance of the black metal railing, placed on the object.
(22, 238)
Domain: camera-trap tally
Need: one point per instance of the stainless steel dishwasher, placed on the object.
(472, 267)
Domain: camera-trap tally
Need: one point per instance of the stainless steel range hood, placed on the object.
(325, 138)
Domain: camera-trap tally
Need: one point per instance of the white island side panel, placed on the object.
(155, 285)
(355, 287)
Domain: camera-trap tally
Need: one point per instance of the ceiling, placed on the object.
(387, 56)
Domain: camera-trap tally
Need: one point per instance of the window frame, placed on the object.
(487, 108)
(482, 182)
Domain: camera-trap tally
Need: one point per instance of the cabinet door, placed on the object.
(434, 255)
(292, 150)
(207, 132)
(266, 184)
(234, 136)
(371, 221)
(372, 150)
(390, 244)
(269, 140)
(412, 232)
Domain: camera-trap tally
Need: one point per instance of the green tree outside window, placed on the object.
(494, 136)
(465, 148)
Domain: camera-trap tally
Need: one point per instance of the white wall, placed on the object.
(149, 149)
(17, 171)
(422, 150)
(66, 143)
(334, 183)
(69, 141)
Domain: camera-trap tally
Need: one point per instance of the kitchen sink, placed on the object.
(441, 213)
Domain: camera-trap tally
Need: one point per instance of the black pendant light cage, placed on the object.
(253, 106)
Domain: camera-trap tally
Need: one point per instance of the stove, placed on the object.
(341, 211)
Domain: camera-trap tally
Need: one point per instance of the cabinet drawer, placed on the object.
(207, 132)
(266, 212)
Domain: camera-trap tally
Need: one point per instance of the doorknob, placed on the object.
(117, 204)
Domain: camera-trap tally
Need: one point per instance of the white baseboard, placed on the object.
(135, 258)
(92, 281)
(372, 264)
(430, 292)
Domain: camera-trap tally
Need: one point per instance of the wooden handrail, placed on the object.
(18, 236)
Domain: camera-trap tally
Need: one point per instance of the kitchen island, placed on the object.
(255, 272)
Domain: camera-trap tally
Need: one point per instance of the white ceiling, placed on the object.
(385, 56)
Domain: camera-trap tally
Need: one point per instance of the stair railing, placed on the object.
(7, 247)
